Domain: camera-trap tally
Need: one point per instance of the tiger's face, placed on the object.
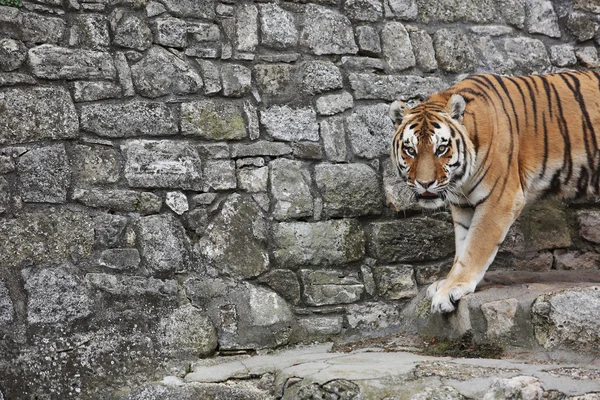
(429, 150)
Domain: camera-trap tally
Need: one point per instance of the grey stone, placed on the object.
(253, 180)
(307, 150)
(513, 12)
(290, 189)
(453, 11)
(284, 282)
(160, 73)
(424, 52)
(327, 31)
(170, 32)
(438, 393)
(225, 10)
(37, 28)
(326, 243)
(213, 150)
(4, 195)
(334, 103)
(348, 190)
(219, 175)
(235, 241)
(246, 24)
(327, 287)
(273, 79)
(394, 87)
(177, 201)
(236, 80)
(44, 174)
(397, 49)
(90, 31)
(586, 5)
(163, 245)
(6, 306)
(124, 74)
(492, 30)
(427, 274)
(403, 9)
(588, 228)
(278, 57)
(277, 27)
(191, 8)
(529, 55)
(319, 76)
(216, 391)
(285, 123)
(132, 286)
(574, 260)
(373, 316)
(12, 54)
(213, 119)
(15, 78)
(500, 317)
(581, 26)
(366, 274)
(369, 131)
(395, 282)
(120, 259)
(413, 239)
(188, 332)
(204, 32)
(363, 10)
(588, 56)
(95, 90)
(6, 164)
(154, 8)
(55, 295)
(454, 50)
(523, 387)
(368, 40)
(494, 57)
(119, 200)
(53, 62)
(109, 230)
(541, 18)
(250, 161)
(211, 76)
(197, 220)
(165, 164)
(260, 148)
(96, 164)
(563, 55)
(135, 118)
(203, 199)
(319, 326)
(334, 138)
(252, 119)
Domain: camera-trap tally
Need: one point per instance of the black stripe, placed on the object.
(513, 104)
(587, 122)
(479, 180)
(564, 131)
(555, 187)
(582, 182)
(488, 195)
(545, 159)
(466, 227)
(547, 92)
(533, 100)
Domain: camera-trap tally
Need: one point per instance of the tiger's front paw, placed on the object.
(446, 296)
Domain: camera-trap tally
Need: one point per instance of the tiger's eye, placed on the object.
(410, 151)
(441, 150)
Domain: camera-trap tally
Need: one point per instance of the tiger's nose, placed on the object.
(425, 184)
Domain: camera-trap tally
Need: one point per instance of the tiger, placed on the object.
(489, 145)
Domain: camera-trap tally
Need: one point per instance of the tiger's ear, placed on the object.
(456, 107)
(396, 112)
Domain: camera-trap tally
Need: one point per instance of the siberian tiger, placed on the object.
(487, 146)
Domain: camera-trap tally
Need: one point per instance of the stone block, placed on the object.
(133, 287)
(7, 310)
(119, 200)
(188, 331)
(274, 79)
(96, 164)
(454, 11)
(588, 56)
(260, 148)
(326, 243)
(211, 75)
(12, 54)
(163, 164)
(277, 27)
(124, 75)
(326, 31)
(236, 80)
(213, 150)
(402, 9)
(334, 138)
(204, 32)
(170, 32)
(290, 189)
(422, 45)
(285, 123)
(374, 316)
(219, 175)
(109, 230)
(320, 326)
(92, 91)
(529, 55)
(363, 10)
(90, 31)
(575, 260)
(307, 150)
(319, 76)
(427, 274)
(5, 195)
(370, 130)
(454, 50)
(120, 259)
(368, 40)
(394, 87)
(327, 287)
(44, 174)
(541, 18)
(253, 180)
(38, 28)
(588, 225)
(581, 26)
(213, 119)
(135, 118)
(177, 201)
(164, 247)
(349, 190)
(500, 318)
(246, 27)
(284, 282)
(563, 55)
(191, 8)
(53, 62)
(395, 282)
(396, 47)
(130, 29)
(26, 110)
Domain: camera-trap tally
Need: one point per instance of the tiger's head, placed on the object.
(431, 149)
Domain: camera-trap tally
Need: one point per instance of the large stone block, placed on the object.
(35, 114)
(136, 118)
(290, 189)
(44, 174)
(188, 332)
(374, 316)
(90, 31)
(119, 200)
(93, 90)
(170, 32)
(284, 282)
(327, 31)
(191, 8)
(396, 46)
(368, 39)
(219, 175)
(246, 27)
(370, 131)
(589, 225)
(33, 27)
(541, 18)
(260, 148)
(454, 50)
(453, 11)
(164, 164)
(53, 62)
(327, 243)
(137, 289)
(349, 190)
(394, 87)
(236, 80)
(395, 282)
(412, 239)
(12, 54)
(529, 55)
(96, 164)
(319, 76)
(6, 306)
(327, 287)
(285, 123)
(363, 10)
(130, 29)
(402, 9)
(334, 138)
(424, 51)
(278, 28)
(211, 119)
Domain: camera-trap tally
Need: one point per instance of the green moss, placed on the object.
(11, 3)
(463, 347)
(218, 126)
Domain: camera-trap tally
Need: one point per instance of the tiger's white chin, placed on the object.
(431, 204)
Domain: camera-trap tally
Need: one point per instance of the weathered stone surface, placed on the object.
(133, 286)
(285, 123)
(284, 282)
(529, 55)
(394, 87)
(368, 40)
(163, 245)
(236, 80)
(93, 90)
(188, 332)
(454, 50)
(524, 387)
(319, 76)
(37, 114)
(219, 175)
(403, 9)
(213, 150)
(363, 10)
(120, 259)
(44, 174)
(373, 316)
(500, 317)
(177, 201)
(170, 32)
(327, 243)
(413, 239)
(541, 18)
(588, 225)
(581, 26)
(427, 274)
(334, 138)
(90, 31)
(348, 190)
(109, 230)
(453, 11)
(53, 62)
(273, 79)
(253, 180)
(278, 28)
(119, 200)
(55, 295)
(136, 118)
(260, 148)
(235, 241)
(166, 164)
(395, 282)
(215, 120)
(544, 226)
(4, 195)
(327, 32)
(563, 55)
(124, 75)
(319, 326)
(574, 260)
(130, 29)
(246, 27)
(422, 45)
(15, 78)
(217, 391)
(363, 64)
(160, 73)
(204, 31)
(96, 164)
(290, 189)
(307, 150)
(326, 287)
(396, 46)
(211, 76)
(191, 8)
(12, 54)
(588, 56)
(370, 131)
(33, 27)
(6, 306)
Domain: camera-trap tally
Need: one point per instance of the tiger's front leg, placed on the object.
(488, 226)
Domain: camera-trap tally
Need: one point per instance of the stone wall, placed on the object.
(182, 176)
